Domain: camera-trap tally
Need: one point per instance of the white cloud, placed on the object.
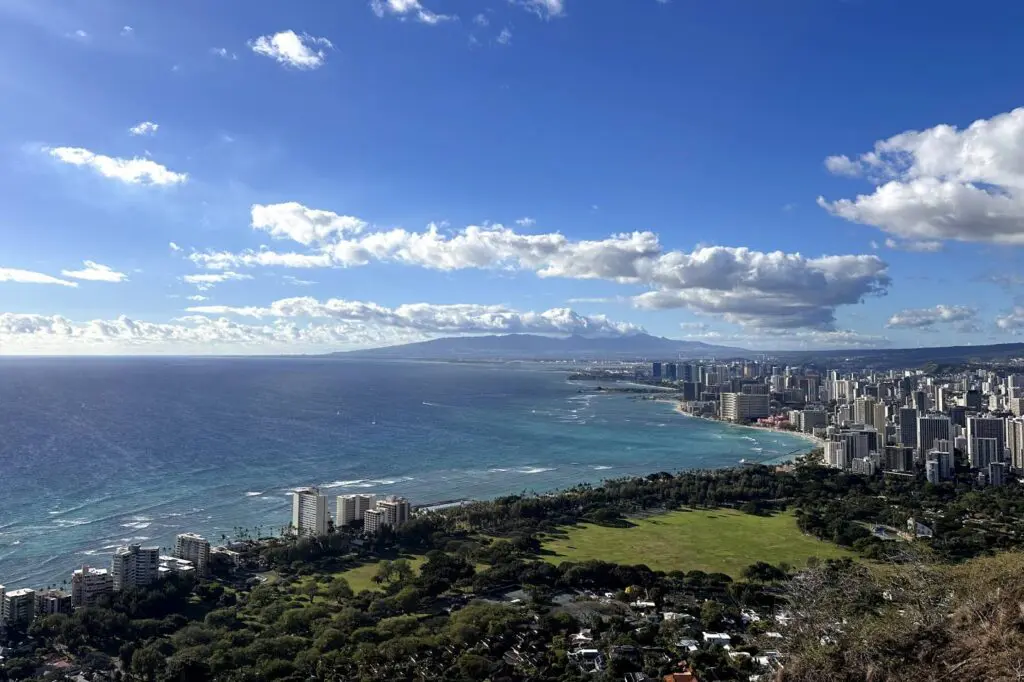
(545, 9)
(80, 35)
(28, 277)
(304, 225)
(291, 49)
(206, 281)
(461, 318)
(481, 20)
(526, 222)
(409, 8)
(127, 31)
(505, 37)
(777, 339)
(289, 279)
(174, 247)
(924, 318)
(919, 246)
(223, 53)
(943, 183)
(750, 287)
(198, 298)
(144, 128)
(130, 171)
(94, 272)
(1012, 321)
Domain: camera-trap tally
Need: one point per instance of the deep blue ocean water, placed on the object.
(98, 452)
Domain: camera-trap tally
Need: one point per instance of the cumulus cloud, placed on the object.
(173, 247)
(526, 221)
(461, 318)
(293, 50)
(753, 288)
(144, 128)
(134, 171)
(1012, 321)
(95, 272)
(912, 245)
(28, 277)
(410, 8)
(198, 298)
(942, 183)
(206, 281)
(505, 37)
(926, 318)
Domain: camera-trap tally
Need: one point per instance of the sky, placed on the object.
(267, 177)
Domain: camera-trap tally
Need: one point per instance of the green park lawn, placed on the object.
(720, 540)
(361, 577)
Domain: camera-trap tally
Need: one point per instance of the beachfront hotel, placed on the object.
(352, 508)
(194, 548)
(309, 512)
(89, 584)
(135, 566)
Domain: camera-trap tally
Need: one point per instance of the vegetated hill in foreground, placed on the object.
(907, 622)
(534, 347)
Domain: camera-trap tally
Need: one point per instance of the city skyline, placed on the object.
(263, 178)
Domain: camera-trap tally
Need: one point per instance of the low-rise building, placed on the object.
(172, 565)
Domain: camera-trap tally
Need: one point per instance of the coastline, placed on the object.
(811, 440)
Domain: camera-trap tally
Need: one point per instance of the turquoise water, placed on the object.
(98, 452)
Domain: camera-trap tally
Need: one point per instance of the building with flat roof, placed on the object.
(195, 549)
(744, 407)
(134, 566)
(396, 509)
(51, 602)
(309, 512)
(89, 584)
(374, 520)
(19, 607)
(352, 507)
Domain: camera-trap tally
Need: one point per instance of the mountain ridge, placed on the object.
(536, 347)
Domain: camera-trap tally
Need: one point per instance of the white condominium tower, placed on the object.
(135, 566)
(309, 512)
(352, 507)
(194, 548)
(89, 584)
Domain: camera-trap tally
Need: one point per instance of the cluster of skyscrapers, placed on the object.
(130, 567)
(310, 515)
(901, 422)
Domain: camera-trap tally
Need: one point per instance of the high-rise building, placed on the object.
(986, 427)
(134, 566)
(18, 607)
(920, 401)
(940, 398)
(972, 400)
(931, 469)
(930, 428)
(908, 426)
(864, 411)
(194, 548)
(898, 458)
(958, 415)
(396, 510)
(812, 419)
(835, 454)
(983, 451)
(89, 584)
(671, 373)
(50, 602)
(656, 371)
(880, 417)
(857, 443)
(309, 512)
(1015, 442)
(996, 473)
(374, 520)
(352, 507)
(744, 407)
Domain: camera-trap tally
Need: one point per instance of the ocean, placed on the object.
(99, 452)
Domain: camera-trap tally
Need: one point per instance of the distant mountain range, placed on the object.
(533, 347)
(647, 347)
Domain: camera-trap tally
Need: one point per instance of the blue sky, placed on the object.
(329, 175)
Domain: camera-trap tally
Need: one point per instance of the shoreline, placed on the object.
(678, 409)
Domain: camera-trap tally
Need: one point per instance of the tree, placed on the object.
(339, 590)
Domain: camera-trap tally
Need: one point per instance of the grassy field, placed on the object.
(361, 577)
(723, 541)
